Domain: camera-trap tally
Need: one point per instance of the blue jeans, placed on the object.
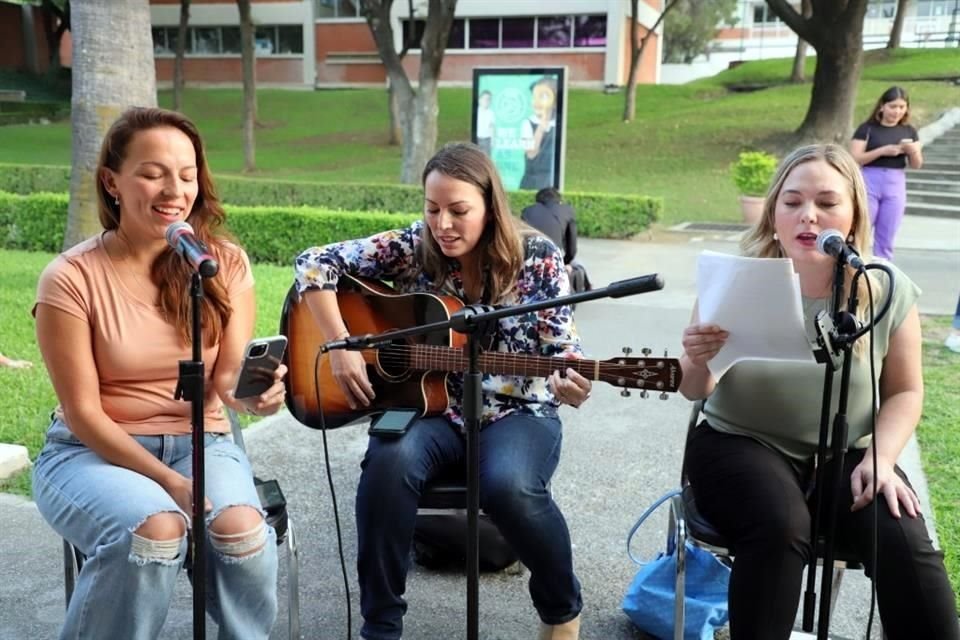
(96, 506)
(518, 455)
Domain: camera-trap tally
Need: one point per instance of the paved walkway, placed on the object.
(620, 454)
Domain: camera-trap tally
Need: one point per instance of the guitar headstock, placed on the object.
(647, 373)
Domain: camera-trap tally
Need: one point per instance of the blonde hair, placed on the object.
(501, 244)
(761, 242)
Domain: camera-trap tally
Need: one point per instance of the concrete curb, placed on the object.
(932, 131)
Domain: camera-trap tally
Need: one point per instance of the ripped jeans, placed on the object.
(122, 593)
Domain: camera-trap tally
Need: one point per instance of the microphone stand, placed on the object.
(836, 337)
(477, 321)
(190, 388)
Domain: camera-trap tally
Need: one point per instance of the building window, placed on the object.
(484, 33)
(883, 9)
(590, 31)
(517, 33)
(342, 9)
(554, 32)
(764, 15)
(207, 41)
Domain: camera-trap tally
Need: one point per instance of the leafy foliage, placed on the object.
(753, 171)
(689, 29)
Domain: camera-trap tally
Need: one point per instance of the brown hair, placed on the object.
(891, 94)
(760, 242)
(501, 243)
(170, 272)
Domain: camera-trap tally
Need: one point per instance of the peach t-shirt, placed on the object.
(136, 351)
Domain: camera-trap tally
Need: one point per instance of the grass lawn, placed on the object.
(680, 146)
(939, 445)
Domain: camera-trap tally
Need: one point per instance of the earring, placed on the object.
(775, 236)
(850, 239)
(116, 199)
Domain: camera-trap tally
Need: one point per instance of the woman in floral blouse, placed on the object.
(470, 246)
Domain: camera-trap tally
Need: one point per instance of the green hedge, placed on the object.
(269, 234)
(599, 215)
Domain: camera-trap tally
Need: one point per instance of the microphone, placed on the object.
(180, 236)
(633, 286)
(832, 243)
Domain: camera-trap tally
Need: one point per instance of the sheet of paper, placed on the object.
(758, 301)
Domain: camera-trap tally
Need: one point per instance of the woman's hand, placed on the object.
(270, 401)
(350, 372)
(888, 483)
(892, 149)
(572, 389)
(701, 342)
(180, 489)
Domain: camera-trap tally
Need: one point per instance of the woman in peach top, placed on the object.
(113, 321)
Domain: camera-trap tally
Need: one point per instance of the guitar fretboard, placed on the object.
(427, 357)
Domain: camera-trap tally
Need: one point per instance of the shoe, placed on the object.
(566, 631)
(953, 342)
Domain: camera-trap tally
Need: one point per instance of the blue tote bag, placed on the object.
(649, 600)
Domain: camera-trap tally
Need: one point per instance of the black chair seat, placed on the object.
(446, 490)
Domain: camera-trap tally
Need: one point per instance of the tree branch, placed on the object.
(435, 35)
(795, 21)
(377, 13)
(411, 32)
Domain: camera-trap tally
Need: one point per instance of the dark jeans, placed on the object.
(755, 498)
(518, 455)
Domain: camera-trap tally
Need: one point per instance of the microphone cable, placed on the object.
(333, 493)
(875, 409)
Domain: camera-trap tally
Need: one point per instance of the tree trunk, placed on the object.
(799, 72)
(396, 130)
(249, 85)
(113, 70)
(420, 132)
(636, 50)
(830, 114)
(897, 30)
(178, 60)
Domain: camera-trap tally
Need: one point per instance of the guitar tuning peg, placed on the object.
(646, 351)
(625, 393)
(627, 351)
(663, 395)
(644, 394)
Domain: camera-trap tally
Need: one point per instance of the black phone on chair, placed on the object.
(261, 359)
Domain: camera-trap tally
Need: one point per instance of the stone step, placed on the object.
(934, 197)
(924, 186)
(933, 211)
(928, 173)
(942, 156)
(941, 165)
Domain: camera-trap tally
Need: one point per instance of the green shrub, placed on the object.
(269, 234)
(599, 215)
(753, 171)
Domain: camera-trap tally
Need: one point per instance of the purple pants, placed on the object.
(887, 199)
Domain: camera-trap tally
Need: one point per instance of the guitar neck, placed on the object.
(426, 357)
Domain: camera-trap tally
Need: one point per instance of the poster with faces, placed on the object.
(519, 120)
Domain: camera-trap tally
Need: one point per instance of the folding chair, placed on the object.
(686, 524)
(275, 506)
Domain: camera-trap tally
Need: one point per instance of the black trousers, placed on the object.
(755, 498)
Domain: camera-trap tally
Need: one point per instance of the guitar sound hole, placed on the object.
(394, 361)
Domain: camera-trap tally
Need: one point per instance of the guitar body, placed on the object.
(367, 307)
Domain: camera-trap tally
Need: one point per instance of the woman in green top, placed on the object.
(750, 461)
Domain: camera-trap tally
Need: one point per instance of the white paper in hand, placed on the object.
(758, 301)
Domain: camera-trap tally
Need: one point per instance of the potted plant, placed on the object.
(752, 173)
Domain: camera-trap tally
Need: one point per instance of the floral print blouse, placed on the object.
(392, 255)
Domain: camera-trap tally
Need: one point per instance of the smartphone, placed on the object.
(393, 423)
(260, 360)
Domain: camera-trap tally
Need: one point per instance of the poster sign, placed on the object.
(519, 119)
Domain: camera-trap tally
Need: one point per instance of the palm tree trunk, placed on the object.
(249, 86)
(113, 70)
(178, 60)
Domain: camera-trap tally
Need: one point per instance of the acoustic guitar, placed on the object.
(413, 374)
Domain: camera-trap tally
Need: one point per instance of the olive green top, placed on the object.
(779, 402)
